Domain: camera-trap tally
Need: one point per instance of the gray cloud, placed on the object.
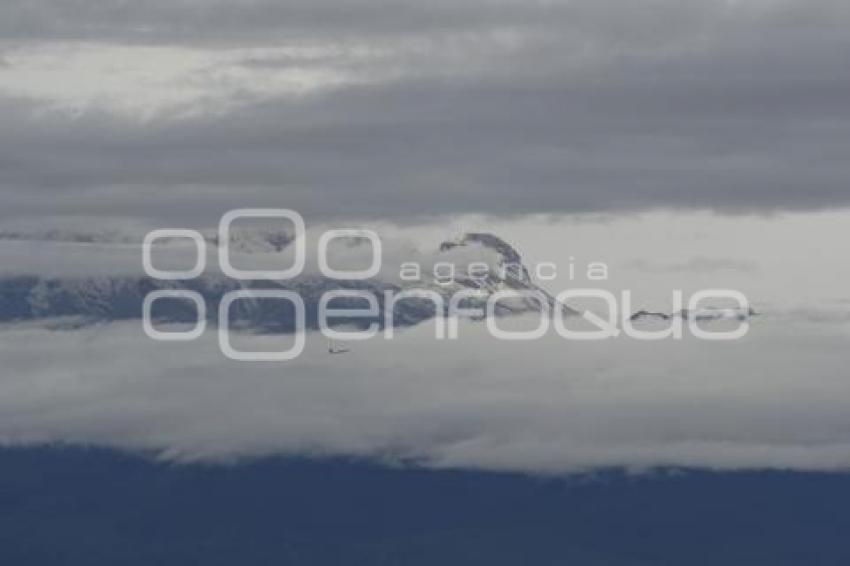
(776, 399)
(223, 22)
(542, 406)
(126, 115)
(698, 264)
(495, 107)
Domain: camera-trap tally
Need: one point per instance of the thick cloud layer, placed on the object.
(185, 109)
(126, 116)
(542, 406)
(777, 398)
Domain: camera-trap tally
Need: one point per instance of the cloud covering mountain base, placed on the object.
(546, 406)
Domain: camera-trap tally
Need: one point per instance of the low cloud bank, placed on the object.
(777, 399)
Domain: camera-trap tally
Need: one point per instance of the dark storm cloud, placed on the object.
(596, 106)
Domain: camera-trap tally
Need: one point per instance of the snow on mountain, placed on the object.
(105, 295)
(708, 313)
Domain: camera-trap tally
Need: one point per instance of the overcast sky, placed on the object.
(559, 125)
(174, 111)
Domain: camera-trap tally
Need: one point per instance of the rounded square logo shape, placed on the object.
(200, 309)
(200, 249)
(261, 274)
(240, 355)
(330, 235)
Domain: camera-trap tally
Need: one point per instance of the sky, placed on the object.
(684, 143)
(176, 111)
(776, 399)
(781, 262)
